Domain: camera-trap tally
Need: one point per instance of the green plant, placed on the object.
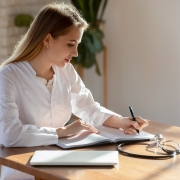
(92, 40)
(22, 20)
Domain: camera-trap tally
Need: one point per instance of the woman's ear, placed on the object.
(46, 41)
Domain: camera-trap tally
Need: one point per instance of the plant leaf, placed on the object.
(91, 11)
(103, 9)
(81, 5)
(96, 7)
(97, 69)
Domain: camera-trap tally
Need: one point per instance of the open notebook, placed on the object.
(75, 158)
(106, 135)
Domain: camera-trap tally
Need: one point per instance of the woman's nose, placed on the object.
(75, 53)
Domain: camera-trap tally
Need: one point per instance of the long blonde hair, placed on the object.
(54, 18)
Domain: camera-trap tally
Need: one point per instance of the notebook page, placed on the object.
(118, 134)
(84, 138)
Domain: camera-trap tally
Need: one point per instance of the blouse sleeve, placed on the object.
(83, 104)
(12, 132)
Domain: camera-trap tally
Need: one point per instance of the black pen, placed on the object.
(132, 114)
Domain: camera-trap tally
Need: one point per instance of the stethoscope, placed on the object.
(159, 141)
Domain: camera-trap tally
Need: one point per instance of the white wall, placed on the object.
(143, 39)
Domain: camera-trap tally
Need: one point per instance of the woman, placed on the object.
(39, 88)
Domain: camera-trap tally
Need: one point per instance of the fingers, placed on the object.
(84, 125)
(139, 123)
(142, 122)
(89, 127)
(76, 127)
(130, 131)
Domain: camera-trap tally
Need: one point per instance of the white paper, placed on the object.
(118, 134)
(84, 138)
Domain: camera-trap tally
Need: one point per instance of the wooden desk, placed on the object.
(129, 168)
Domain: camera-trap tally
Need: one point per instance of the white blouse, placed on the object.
(48, 84)
(30, 114)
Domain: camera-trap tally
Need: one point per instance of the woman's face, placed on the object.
(61, 50)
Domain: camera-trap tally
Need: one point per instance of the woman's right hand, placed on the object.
(75, 128)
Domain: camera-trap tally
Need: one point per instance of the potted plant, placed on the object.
(92, 40)
(23, 20)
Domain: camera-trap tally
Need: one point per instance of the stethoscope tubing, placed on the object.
(169, 153)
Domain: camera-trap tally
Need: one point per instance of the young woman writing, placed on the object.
(39, 88)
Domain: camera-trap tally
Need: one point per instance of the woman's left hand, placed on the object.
(126, 124)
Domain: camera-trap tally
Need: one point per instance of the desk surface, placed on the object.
(129, 168)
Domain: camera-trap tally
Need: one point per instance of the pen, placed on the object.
(132, 114)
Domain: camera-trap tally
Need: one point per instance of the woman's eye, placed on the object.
(70, 45)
